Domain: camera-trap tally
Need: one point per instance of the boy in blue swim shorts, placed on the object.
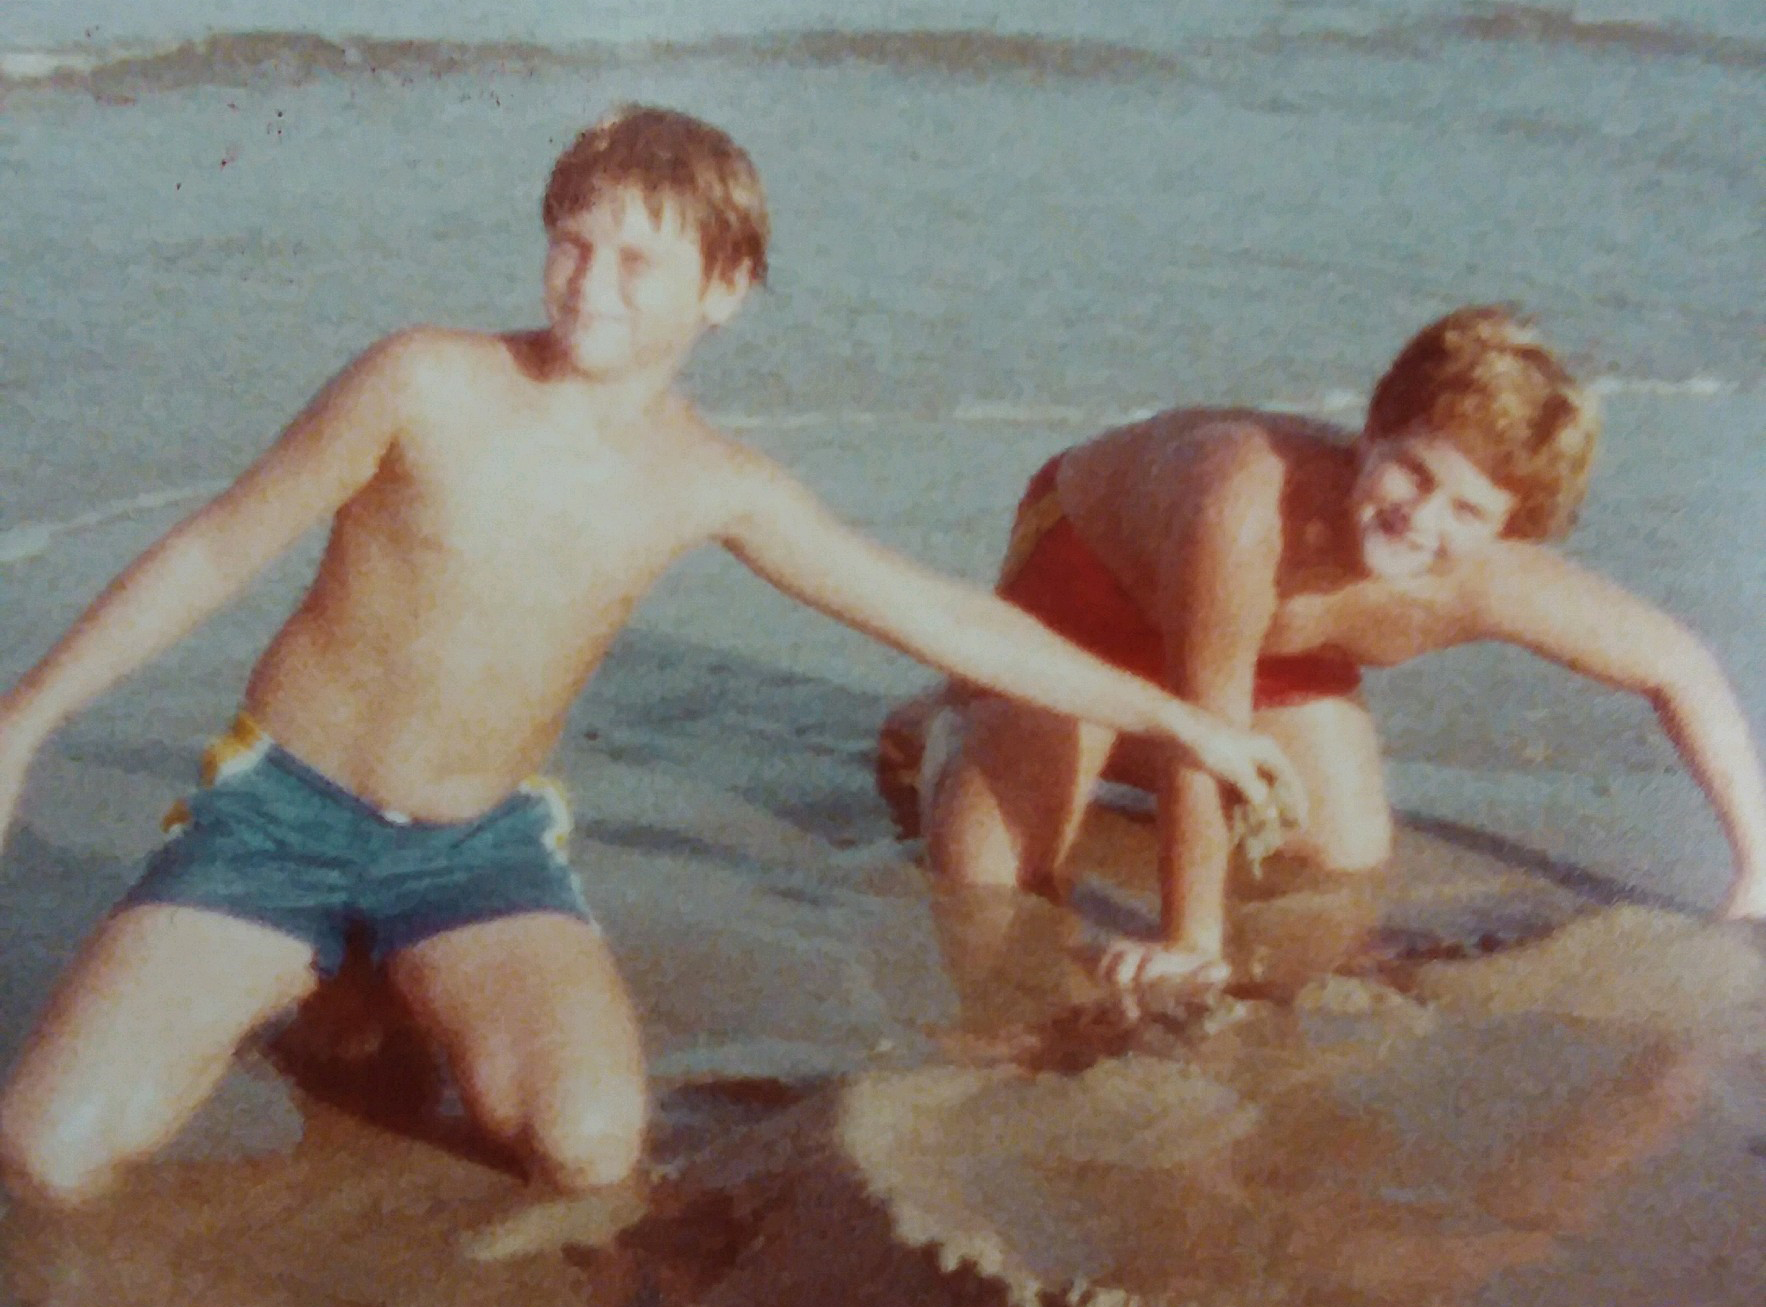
(478, 485)
(269, 839)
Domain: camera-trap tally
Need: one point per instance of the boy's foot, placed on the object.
(1168, 975)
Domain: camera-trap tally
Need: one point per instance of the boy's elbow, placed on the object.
(208, 561)
(1689, 676)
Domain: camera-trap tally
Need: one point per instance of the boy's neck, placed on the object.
(617, 401)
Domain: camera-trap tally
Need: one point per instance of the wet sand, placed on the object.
(1512, 1071)
(1461, 1084)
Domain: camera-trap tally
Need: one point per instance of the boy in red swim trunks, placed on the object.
(1252, 562)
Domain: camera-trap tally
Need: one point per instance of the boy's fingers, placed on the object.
(1286, 792)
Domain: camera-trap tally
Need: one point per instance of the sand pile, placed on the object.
(1354, 1145)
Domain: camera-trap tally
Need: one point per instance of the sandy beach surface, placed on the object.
(1518, 1068)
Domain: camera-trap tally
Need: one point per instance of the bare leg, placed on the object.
(536, 1024)
(901, 743)
(136, 1037)
(1336, 749)
(1006, 807)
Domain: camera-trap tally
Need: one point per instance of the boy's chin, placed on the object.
(596, 358)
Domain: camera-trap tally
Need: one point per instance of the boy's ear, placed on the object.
(724, 295)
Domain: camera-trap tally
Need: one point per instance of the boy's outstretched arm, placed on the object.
(1562, 612)
(785, 535)
(329, 451)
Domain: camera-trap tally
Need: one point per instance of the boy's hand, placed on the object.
(1139, 968)
(1273, 801)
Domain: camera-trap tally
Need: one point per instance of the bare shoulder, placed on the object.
(1235, 479)
(1172, 466)
(443, 364)
(713, 474)
(1504, 589)
(1532, 595)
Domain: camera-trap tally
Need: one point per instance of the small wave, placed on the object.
(284, 58)
(963, 53)
(976, 413)
(276, 58)
(21, 543)
(295, 57)
(46, 65)
(1555, 25)
(1695, 387)
(30, 540)
(1332, 401)
(1007, 414)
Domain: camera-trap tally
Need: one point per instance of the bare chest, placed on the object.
(511, 529)
(1371, 623)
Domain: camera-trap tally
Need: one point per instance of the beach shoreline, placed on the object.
(988, 247)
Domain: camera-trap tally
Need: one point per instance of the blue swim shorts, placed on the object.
(270, 840)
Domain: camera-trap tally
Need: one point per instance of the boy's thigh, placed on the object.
(1008, 803)
(1334, 744)
(532, 999)
(154, 1005)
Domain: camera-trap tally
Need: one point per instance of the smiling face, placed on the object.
(625, 287)
(1419, 501)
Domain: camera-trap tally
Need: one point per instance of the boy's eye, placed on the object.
(576, 251)
(1417, 470)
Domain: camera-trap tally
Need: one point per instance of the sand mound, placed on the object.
(1357, 1143)
(1044, 1182)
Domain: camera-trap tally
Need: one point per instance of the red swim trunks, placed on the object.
(1055, 577)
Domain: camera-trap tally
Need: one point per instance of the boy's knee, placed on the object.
(1361, 846)
(52, 1158)
(590, 1138)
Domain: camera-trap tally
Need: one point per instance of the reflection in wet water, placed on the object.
(1423, 1090)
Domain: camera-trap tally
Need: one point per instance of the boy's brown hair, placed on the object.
(670, 158)
(1481, 378)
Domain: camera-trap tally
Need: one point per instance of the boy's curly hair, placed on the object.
(1480, 377)
(670, 158)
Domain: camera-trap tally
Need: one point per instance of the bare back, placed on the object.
(1134, 493)
(474, 583)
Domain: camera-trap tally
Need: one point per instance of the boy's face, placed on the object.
(1419, 501)
(626, 290)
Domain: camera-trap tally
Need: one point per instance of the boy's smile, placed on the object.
(1418, 501)
(625, 288)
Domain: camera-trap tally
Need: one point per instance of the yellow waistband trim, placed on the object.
(1033, 522)
(230, 753)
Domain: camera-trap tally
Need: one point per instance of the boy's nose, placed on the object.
(1430, 513)
(598, 279)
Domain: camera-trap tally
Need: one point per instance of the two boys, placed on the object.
(1254, 562)
(499, 502)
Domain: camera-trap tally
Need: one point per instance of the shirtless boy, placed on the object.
(499, 502)
(1253, 562)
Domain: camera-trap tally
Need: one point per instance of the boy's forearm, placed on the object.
(159, 598)
(1706, 725)
(1195, 848)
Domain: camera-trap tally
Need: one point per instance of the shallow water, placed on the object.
(990, 242)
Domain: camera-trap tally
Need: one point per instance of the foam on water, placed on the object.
(23, 542)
